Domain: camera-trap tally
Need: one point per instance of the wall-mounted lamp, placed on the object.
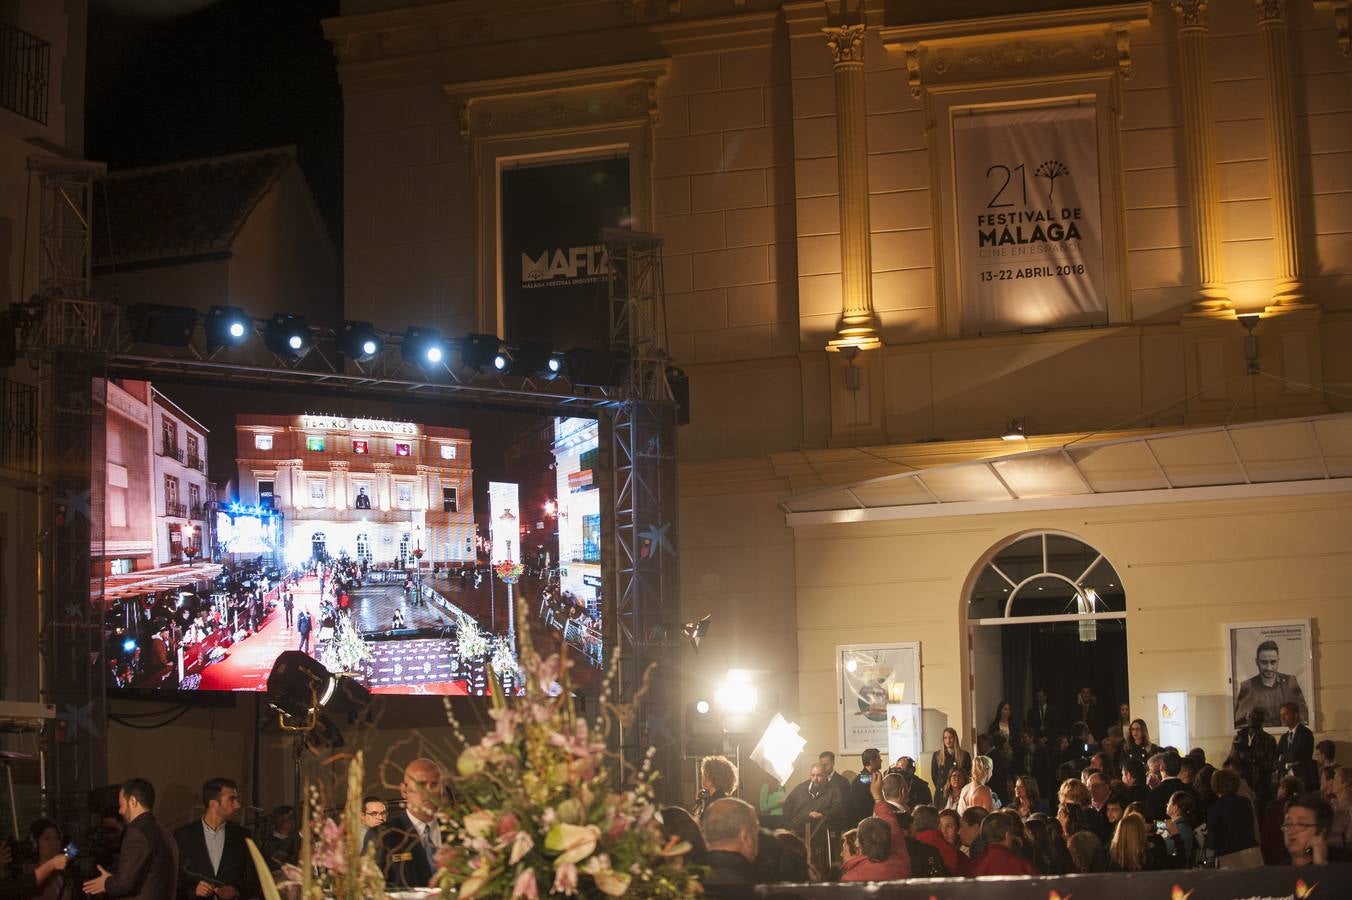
(1250, 322)
(1014, 430)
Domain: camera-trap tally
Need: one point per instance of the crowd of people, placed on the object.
(1034, 799)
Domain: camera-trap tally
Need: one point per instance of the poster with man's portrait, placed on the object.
(1271, 664)
(870, 676)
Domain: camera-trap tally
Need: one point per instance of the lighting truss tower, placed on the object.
(642, 444)
(67, 333)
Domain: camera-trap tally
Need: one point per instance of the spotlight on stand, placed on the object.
(423, 347)
(359, 341)
(703, 730)
(737, 695)
(309, 698)
(596, 368)
(227, 326)
(287, 335)
(481, 352)
(154, 323)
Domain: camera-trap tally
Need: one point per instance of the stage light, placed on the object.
(226, 326)
(288, 335)
(481, 351)
(129, 645)
(359, 341)
(423, 347)
(155, 323)
(596, 368)
(702, 707)
(737, 695)
(1013, 431)
(500, 360)
(534, 358)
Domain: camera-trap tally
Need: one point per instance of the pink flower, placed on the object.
(526, 886)
(507, 825)
(565, 879)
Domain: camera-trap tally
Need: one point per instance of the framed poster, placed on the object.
(1271, 663)
(868, 678)
(554, 269)
(1030, 233)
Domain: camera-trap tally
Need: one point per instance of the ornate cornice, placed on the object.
(1191, 14)
(1078, 39)
(1270, 11)
(846, 43)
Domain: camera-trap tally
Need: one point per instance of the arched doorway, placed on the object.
(1046, 611)
(318, 544)
(405, 552)
(364, 548)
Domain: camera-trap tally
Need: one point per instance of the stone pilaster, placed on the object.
(858, 326)
(1283, 154)
(1212, 297)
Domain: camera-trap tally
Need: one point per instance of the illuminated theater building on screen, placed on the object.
(365, 488)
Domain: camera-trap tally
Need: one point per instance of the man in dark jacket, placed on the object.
(733, 837)
(214, 860)
(861, 794)
(1295, 750)
(147, 865)
(407, 845)
(1157, 801)
(303, 625)
(915, 790)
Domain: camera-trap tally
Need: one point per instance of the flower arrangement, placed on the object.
(508, 571)
(503, 659)
(347, 652)
(473, 644)
(537, 811)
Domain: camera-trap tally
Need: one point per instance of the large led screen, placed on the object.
(388, 541)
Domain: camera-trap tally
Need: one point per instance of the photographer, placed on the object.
(39, 881)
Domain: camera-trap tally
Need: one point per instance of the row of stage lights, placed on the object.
(290, 337)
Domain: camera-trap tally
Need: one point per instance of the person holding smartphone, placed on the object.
(1305, 829)
(29, 883)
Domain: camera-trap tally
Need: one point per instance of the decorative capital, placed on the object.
(1270, 10)
(846, 43)
(1190, 13)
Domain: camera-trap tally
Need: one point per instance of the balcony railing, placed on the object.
(197, 462)
(18, 426)
(197, 512)
(171, 450)
(25, 63)
(177, 510)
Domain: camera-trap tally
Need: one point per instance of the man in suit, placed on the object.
(1041, 717)
(916, 790)
(407, 846)
(1157, 801)
(1295, 750)
(1087, 709)
(147, 864)
(288, 604)
(213, 859)
(303, 626)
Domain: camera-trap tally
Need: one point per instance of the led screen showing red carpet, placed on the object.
(403, 544)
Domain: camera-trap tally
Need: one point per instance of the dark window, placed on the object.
(449, 502)
(265, 494)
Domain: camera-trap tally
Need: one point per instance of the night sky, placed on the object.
(173, 80)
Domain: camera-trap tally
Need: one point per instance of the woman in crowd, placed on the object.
(875, 861)
(1003, 722)
(718, 779)
(976, 793)
(952, 790)
(1026, 798)
(1229, 825)
(1127, 852)
(1071, 819)
(1138, 745)
(948, 757)
(1045, 857)
(1181, 825)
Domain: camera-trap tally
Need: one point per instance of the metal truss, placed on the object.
(642, 458)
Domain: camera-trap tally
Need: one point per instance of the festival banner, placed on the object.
(554, 267)
(1172, 727)
(1030, 235)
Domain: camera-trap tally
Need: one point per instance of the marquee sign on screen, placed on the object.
(1030, 236)
(554, 267)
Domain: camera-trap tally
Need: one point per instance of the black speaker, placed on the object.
(680, 392)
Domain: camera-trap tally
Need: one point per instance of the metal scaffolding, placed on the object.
(643, 451)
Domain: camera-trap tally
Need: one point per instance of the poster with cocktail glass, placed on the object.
(868, 678)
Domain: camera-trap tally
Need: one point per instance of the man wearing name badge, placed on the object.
(407, 846)
(214, 860)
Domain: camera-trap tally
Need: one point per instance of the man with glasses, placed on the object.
(1305, 829)
(373, 814)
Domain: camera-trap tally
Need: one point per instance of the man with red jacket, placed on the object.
(1002, 856)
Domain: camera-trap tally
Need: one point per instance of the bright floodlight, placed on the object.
(369, 348)
(237, 329)
(779, 748)
(434, 354)
(737, 695)
(500, 361)
(129, 645)
(295, 342)
(702, 707)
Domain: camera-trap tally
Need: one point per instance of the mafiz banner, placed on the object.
(1029, 231)
(554, 267)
